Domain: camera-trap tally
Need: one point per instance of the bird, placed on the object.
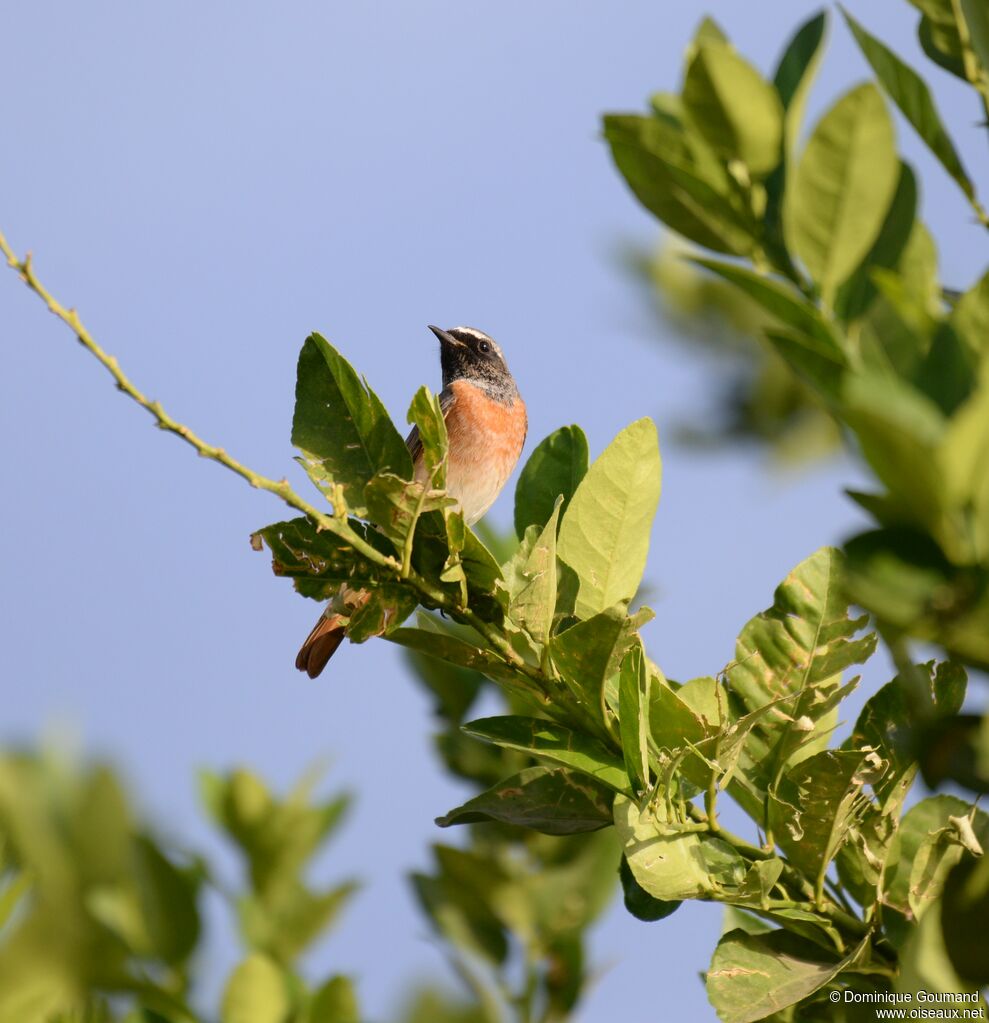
(486, 425)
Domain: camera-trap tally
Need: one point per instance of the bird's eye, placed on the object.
(484, 347)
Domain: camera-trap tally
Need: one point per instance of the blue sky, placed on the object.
(210, 182)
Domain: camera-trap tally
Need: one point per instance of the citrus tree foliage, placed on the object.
(595, 740)
(753, 394)
(822, 238)
(100, 920)
(597, 765)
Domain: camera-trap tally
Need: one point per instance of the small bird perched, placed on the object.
(486, 425)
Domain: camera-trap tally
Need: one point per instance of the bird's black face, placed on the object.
(469, 354)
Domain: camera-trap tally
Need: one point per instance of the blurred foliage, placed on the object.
(512, 905)
(756, 398)
(100, 920)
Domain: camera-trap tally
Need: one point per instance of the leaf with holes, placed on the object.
(342, 429)
(553, 800)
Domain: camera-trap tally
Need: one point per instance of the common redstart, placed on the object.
(486, 424)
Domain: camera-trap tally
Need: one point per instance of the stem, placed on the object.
(711, 802)
(410, 539)
(163, 420)
(752, 852)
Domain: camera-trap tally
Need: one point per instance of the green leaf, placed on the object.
(335, 1002)
(964, 911)
(669, 184)
(552, 800)
(462, 654)
(589, 654)
(816, 804)
(604, 535)
(963, 457)
(564, 895)
(384, 609)
(844, 182)
(910, 93)
(858, 292)
(639, 902)
(708, 31)
(947, 373)
(941, 11)
(903, 578)
(783, 302)
(633, 715)
(971, 316)
(941, 42)
(427, 416)
(753, 976)
(455, 688)
(555, 468)
(795, 652)
(796, 70)
(671, 863)
(925, 964)
(396, 506)
(794, 76)
(547, 740)
(458, 902)
(811, 361)
(977, 18)
(340, 426)
(734, 108)
(255, 993)
(899, 430)
(920, 823)
(318, 561)
(533, 601)
(167, 899)
(886, 722)
(284, 919)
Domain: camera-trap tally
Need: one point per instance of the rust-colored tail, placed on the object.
(321, 645)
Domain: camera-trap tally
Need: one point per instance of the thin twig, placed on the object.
(280, 488)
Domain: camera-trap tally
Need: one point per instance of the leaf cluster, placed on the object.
(832, 253)
(827, 247)
(595, 737)
(101, 921)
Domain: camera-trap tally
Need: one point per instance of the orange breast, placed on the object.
(486, 439)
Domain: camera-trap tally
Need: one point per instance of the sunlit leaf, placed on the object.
(255, 993)
(554, 469)
(734, 108)
(670, 863)
(676, 192)
(639, 902)
(604, 535)
(794, 652)
(634, 703)
(910, 93)
(844, 182)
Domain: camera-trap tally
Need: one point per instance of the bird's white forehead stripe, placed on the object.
(474, 332)
(479, 335)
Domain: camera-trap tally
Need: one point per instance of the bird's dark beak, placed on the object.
(446, 338)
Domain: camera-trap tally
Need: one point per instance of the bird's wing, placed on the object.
(413, 442)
